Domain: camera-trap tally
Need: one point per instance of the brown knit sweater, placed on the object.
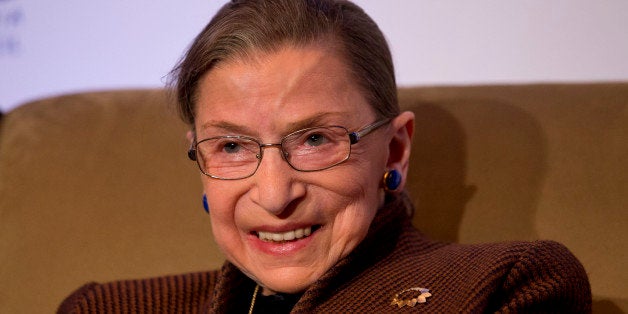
(518, 277)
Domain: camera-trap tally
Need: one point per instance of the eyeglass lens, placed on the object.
(234, 157)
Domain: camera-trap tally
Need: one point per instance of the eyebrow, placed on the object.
(227, 126)
(315, 120)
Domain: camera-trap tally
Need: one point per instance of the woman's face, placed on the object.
(268, 96)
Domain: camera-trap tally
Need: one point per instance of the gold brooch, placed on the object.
(421, 298)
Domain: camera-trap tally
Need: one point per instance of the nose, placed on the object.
(276, 186)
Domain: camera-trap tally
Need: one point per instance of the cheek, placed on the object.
(359, 178)
(352, 196)
(221, 195)
(360, 184)
(350, 209)
(222, 200)
(222, 203)
(353, 221)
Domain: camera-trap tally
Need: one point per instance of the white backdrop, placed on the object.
(53, 47)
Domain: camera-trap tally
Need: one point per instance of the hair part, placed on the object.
(241, 28)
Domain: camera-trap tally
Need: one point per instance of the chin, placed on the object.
(286, 281)
(287, 287)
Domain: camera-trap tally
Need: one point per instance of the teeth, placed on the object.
(285, 236)
(299, 233)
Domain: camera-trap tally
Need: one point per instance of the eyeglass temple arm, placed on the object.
(357, 135)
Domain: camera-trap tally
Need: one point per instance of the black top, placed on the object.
(279, 303)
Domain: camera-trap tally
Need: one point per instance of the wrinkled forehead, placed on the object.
(273, 89)
(258, 55)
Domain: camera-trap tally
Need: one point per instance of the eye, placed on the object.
(232, 147)
(316, 139)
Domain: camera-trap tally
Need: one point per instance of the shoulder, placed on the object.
(504, 277)
(509, 276)
(545, 276)
(515, 255)
(533, 254)
(184, 292)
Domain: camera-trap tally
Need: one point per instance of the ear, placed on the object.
(190, 136)
(402, 128)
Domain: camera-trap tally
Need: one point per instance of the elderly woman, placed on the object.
(303, 152)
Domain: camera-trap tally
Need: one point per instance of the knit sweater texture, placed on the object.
(510, 277)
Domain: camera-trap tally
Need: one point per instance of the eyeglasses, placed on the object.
(234, 157)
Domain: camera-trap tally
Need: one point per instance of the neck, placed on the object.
(267, 292)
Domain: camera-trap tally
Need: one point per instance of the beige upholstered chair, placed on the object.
(96, 186)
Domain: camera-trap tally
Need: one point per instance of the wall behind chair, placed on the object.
(53, 47)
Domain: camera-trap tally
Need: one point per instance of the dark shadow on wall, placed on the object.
(608, 306)
(509, 160)
(437, 178)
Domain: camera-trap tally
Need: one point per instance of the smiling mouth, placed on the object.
(291, 235)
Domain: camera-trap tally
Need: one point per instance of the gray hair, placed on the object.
(241, 27)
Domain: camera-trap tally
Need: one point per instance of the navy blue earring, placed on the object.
(392, 180)
(205, 206)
